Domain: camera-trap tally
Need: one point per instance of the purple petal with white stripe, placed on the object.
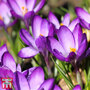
(8, 60)
(53, 19)
(39, 6)
(36, 78)
(47, 85)
(28, 52)
(66, 19)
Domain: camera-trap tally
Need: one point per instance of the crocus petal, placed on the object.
(27, 52)
(8, 61)
(66, 38)
(27, 38)
(54, 44)
(28, 18)
(53, 19)
(56, 87)
(88, 52)
(28, 15)
(21, 81)
(77, 35)
(47, 85)
(14, 14)
(28, 72)
(19, 68)
(59, 55)
(5, 12)
(77, 87)
(66, 19)
(15, 7)
(2, 50)
(51, 30)
(70, 57)
(36, 78)
(21, 3)
(44, 28)
(2, 23)
(36, 26)
(85, 24)
(41, 43)
(82, 14)
(73, 24)
(82, 47)
(39, 6)
(31, 4)
(6, 72)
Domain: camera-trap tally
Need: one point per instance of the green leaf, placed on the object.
(63, 74)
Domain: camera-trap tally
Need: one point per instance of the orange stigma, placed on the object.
(72, 49)
(24, 10)
(61, 24)
(1, 18)
(41, 35)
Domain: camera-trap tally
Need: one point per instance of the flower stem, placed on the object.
(79, 80)
(48, 67)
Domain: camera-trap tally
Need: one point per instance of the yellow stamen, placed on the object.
(24, 10)
(72, 49)
(41, 35)
(61, 24)
(1, 18)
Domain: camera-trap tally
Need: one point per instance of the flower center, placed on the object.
(41, 35)
(61, 24)
(72, 49)
(1, 18)
(24, 10)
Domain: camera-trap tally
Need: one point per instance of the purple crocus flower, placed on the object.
(35, 77)
(2, 50)
(69, 46)
(41, 28)
(25, 9)
(84, 17)
(77, 87)
(7, 60)
(19, 80)
(5, 15)
(66, 21)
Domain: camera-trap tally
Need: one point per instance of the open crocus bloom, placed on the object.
(66, 21)
(69, 46)
(41, 28)
(35, 77)
(5, 15)
(84, 17)
(25, 8)
(77, 87)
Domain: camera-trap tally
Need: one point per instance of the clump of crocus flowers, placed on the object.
(49, 38)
